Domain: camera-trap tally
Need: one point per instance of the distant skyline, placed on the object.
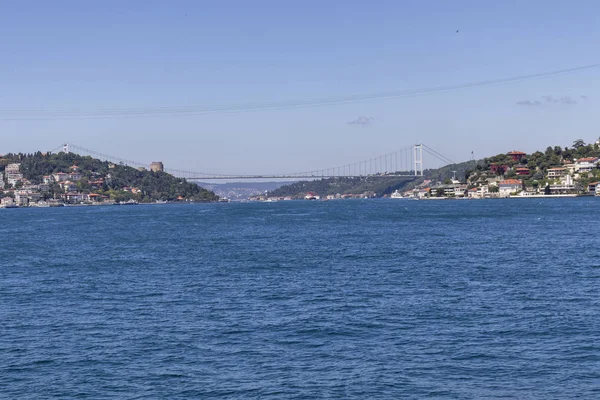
(89, 57)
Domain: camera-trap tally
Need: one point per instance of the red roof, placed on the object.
(587, 159)
(510, 182)
(517, 153)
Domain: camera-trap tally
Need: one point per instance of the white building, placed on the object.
(60, 176)
(566, 186)
(508, 186)
(21, 197)
(75, 176)
(68, 186)
(6, 201)
(586, 164)
(13, 177)
(14, 168)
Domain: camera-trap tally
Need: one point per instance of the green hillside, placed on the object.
(116, 182)
(381, 185)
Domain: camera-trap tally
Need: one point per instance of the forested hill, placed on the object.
(90, 175)
(380, 185)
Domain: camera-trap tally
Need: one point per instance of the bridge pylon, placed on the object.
(418, 159)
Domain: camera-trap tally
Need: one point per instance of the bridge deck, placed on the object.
(194, 178)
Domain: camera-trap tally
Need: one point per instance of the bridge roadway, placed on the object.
(234, 177)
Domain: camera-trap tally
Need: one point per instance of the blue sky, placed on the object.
(87, 56)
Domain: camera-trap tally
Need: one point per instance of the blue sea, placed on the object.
(351, 299)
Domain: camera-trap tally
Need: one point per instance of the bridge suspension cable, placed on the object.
(407, 162)
(437, 155)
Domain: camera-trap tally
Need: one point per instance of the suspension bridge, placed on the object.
(406, 162)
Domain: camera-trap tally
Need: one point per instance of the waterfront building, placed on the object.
(157, 166)
(7, 202)
(566, 186)
(508, 186)
(74, 197)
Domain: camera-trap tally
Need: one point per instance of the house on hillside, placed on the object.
(499, 168)
(586, 164)
(60, 176)
(75, 176)
(68, 186)
(522, 170)
(555, 173)
(517, 155)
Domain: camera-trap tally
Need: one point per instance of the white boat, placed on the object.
(397, 195)
(129, 202)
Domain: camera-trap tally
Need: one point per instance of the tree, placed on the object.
(538, 176)
(557, 150)
(578, 143)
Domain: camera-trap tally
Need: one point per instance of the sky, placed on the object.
(64, 62)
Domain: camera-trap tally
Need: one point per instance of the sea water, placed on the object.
(354, 299)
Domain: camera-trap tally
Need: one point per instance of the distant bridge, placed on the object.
(407, 162)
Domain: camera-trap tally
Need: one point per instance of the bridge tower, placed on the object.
(418, 159)
(66, 148)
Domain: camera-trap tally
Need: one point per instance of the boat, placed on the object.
(397, 195)
(129, 202)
